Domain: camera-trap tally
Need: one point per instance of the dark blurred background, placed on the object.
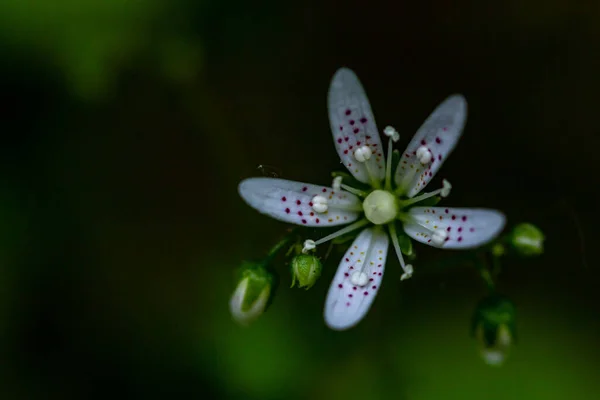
(127, 126)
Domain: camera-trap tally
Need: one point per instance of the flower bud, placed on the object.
(306, 269)
(251, 296)
(494, 327)
(527, 240)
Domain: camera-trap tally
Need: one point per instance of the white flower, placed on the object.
(388, 202)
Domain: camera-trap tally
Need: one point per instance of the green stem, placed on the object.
(484, 272)
(279, 245)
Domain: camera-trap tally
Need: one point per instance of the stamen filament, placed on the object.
(388, 167)
(342, 231)
(406, 179)
(352, 190)
(374, 181)
(444, 192)
(394, 235)
(406, 203)
(356, 208)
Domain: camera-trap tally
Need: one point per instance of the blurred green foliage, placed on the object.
(92, 40)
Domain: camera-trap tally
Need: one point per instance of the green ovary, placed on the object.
(380, 207)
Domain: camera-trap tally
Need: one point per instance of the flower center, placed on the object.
(380, 207)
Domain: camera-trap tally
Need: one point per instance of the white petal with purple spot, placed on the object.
(462, 228)
(350, 296)
(291, 202)
(438, 134)
(353, 125)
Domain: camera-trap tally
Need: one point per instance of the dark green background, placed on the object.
(126, 127)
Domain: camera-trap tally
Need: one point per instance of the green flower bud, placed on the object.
(306, 268)
(527, 239)
(251, 296)
(498, 250)
(494, 327)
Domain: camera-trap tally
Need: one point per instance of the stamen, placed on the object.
(439, 237)
(319, 204)
(424, 155)
(392, 133)
(343, 231)
(363, 154)
(308, 245)
(336, 185)
(444, 192)
(359, 278)
(408, 273)
(408, 269)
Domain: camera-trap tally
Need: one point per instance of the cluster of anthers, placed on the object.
(390, 204)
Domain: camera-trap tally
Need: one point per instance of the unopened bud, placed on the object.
(494, 327)
(306, 269)
(251, 296)
(527, 240)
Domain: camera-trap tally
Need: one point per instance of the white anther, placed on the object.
(319, 204)
(337, 184)
(363, 153)
(408, 271)
(439, 237)
(308, 245)
(424, 155)
(359, 278)
(446, 189)
(389, 131)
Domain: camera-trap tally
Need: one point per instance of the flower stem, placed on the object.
(279, 245)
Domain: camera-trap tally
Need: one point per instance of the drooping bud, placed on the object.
(494, 327)
(251, 296)
(527, 239)
(306, 269)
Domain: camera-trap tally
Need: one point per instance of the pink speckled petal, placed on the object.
(347, 303)
(353, 125)
(439, 133)
(466, 227)
(291, 202)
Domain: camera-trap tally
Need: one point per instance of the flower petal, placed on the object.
(347, 303)
(291, 202)
(353, 125)
(439, 134)
(465, 227)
